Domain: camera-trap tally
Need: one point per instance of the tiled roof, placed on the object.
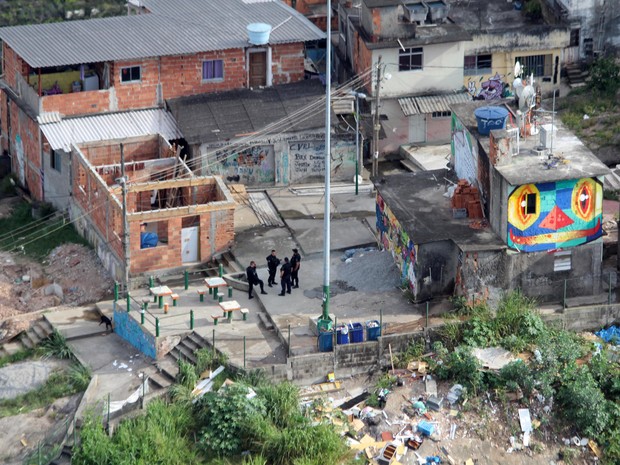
(175, 27)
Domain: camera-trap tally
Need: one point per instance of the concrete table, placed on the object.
(160, 292)
(229, 307)
(214, 284)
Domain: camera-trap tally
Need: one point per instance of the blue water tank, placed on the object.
(258, 33)
(490, 118)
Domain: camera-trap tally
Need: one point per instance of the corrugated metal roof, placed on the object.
(175, 27)
(63, 133)
(431, 103)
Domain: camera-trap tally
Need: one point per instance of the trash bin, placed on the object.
(326, 341)
(356, 332)
(373, 330)
(342, 335)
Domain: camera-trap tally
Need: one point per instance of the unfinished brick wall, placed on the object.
(26, 155)
(78, 103)
(287, 63)
(217, 232)
(160, 257)
(362, 58)
(109, 154)
(11, 65)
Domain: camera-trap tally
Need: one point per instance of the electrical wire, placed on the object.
(247, 142)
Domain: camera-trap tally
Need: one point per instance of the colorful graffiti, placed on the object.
(396, 240)
(254, 165)
(464, 152)
(555, 215)
(494, 88)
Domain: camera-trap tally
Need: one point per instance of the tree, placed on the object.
(605, 74)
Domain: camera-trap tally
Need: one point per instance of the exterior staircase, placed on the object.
(28, 339)
(167, 368)
(576, 76)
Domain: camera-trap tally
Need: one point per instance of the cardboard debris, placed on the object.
(418, 366)
(321, 388)
(596, 450)
(357, 425)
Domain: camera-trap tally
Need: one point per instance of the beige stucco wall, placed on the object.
(442, 71)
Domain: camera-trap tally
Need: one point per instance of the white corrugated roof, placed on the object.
(431, 103)
(61, 134)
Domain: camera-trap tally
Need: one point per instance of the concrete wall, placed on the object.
(57, 181)
(131, 331)
(442, 71)
(436, 269)
(281, 160)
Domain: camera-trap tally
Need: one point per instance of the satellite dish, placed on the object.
(527, 99)
(517, 69)
(517, 85)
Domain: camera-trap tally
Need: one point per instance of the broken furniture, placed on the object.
(388, 453)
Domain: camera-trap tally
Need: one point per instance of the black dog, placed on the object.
(107, 321)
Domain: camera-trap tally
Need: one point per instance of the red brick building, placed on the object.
(58, 79)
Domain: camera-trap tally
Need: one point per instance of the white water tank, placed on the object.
(547, 135)
(258, 33)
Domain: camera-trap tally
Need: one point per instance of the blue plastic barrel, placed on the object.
(356, 332)
(373, 330)
(258, 33)
(326, 341)
(342, 335)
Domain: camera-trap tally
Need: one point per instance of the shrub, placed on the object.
(604, 75)
(55, 345)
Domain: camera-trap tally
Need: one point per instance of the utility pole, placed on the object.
(126, 246)
(376, 124)
(324, 323)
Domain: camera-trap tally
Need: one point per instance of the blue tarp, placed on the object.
(148, 240)
(611, 334)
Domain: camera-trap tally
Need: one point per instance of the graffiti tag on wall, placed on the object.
(555, 215)
(494, 88)
(397, 241)
(254, 165)
(308, 159)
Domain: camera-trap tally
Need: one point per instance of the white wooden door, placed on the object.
(189, 244)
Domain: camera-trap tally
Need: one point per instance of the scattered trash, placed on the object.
(434, 403)
(525, 419)
(611, 334)
(454, 394)
(426, 428)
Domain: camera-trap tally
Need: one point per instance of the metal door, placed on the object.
(417, 128)
(189, 244)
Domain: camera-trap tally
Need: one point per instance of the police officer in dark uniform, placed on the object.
(272, 264)
(253, 279)
(285, 277)
(295, 263)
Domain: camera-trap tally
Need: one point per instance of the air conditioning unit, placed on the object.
(547, 135)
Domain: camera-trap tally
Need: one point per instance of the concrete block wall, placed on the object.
(130, 330)
(25, 150)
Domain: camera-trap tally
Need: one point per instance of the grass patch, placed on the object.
(37, 237)
(19, 356)
(61, 383)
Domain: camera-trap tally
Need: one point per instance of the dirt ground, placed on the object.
(21, 433)
(72, 275)
(483, 428)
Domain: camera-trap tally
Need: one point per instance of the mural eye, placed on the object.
(584, 199)
(524, 206)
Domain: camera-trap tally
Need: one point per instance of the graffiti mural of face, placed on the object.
(492, 89)
(555, 215)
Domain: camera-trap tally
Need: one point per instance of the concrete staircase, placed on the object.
(167, 368)
(28, 339)
(576, 77)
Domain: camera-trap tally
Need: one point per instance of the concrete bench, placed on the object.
(174, 298)
(244, 313)
(201, 293)
(216, 318)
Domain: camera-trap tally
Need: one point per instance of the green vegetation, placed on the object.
(37, 238)
(587, 395)
(605, 74)
(55, 345)
(17, 357)
(18, 12)
(61, 383)
(262, 419)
